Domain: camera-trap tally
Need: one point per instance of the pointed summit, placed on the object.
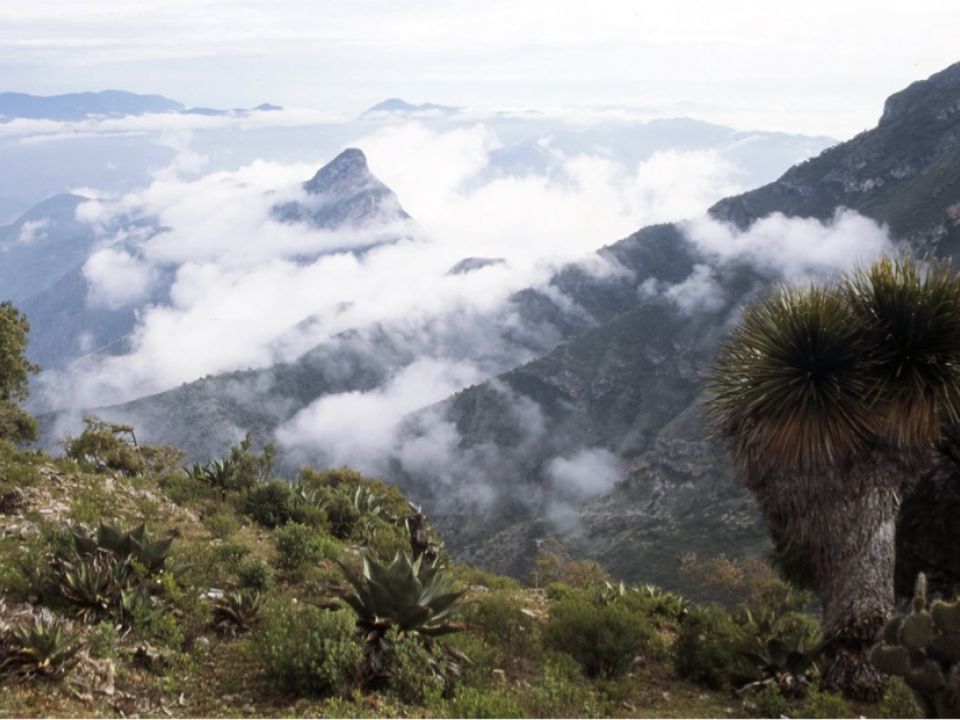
(344, 194)
(348, 169)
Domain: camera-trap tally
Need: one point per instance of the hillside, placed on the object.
(238, 589)
(634, 383)
(620, 374)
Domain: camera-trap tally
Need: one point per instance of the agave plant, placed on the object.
(831, 399)
(665, 602)
(367, 502)
(410, 594)
(409, 597)
(217, 473)
(93, 583)
(610, 592)
(787, 666)
(151, 554)
(133, 603)
(43, 648)
(236, 612)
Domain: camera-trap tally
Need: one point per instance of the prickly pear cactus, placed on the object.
(924, 649)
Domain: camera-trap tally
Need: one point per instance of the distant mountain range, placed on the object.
(627, 375)
(631, 377)
(396, 105)
(109, 103)
(618, 369)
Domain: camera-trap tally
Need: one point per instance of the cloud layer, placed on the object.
(246, 290)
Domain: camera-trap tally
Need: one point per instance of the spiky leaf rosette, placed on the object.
(790, 386)
(910, 312)
(411, 594)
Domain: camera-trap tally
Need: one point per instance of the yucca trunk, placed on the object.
(843, 523)
(857, 589)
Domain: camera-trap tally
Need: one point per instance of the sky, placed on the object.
(819, 67)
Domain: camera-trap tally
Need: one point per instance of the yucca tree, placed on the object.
(831, 399)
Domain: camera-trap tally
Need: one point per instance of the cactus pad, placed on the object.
(946, 616)
(917, 630)
(891, 659)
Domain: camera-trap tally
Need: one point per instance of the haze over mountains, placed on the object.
(428, 305)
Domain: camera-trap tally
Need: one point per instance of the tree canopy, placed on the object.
(15, 369)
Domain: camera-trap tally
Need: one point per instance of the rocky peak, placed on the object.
(344, 193)
(347, 171)
(935, 99)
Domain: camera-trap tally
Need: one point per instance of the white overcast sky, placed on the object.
(816, 66)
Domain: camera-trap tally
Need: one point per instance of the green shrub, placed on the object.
(558, 591)
(472, 702)
(383, 539)
(603, 639)
(16, 426)
(271, 503)
(183, 489)
(254, 575)
(416, 672)
(92, 503)
(222, 524)
(553, 563)
(162, 459)
(105, 446)
(299, 545)
(103, 640)
(560, 692)
(706, 647)
(342, 515)
(30, 572)
(766, 702)
(230, 554)
(898, 702)
(824, 705)
(500, 619)
(245, 468)
(471, 576)
(308, 650)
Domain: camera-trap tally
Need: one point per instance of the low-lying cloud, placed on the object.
(246, 290)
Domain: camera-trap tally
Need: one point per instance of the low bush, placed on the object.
(825, 705)
(898, 702)
(553, 564)
(560, 691)
(603, 639)
(230, 554)
(299, 545)
(222, 524)
(417, 673)
(308, 650)
(105, 446)
(183, 488)
(499, 618)
(254, 575)
(270, 504)
(16, 426)
(473, 702)
(706, 649)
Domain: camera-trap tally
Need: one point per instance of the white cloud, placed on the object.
(586, 474)
(700, 292)
(794, 249)
(31, 231)
(359, 428)
(116, 278)
(248, 290)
